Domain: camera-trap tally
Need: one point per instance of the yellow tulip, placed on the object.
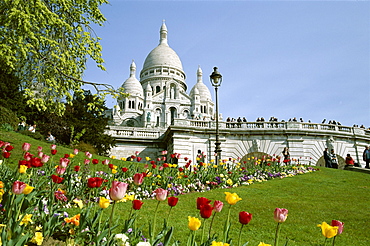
(232, 198)
(26, 219)
(38, 238)
(22, 169)
(28, 189)
(264, 244)
(214, 243)
(194, 223)
(147, 158)
(114, 171)
(327, 230)
(79, 203)
(123, 159)
(104, 202)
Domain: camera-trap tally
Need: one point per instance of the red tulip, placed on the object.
(118, 190)
(339, 224)
(124, 169)
(160, 194)
(152, 162)
(18, 187)
(280, 214)
(94, 182)
(53, 151)
(202, 201)
(165, 164)
(26, 147)
(9, 148)
(206, 211)
(95, 161)
(36, 162)
(6, 154)
(138, 178)
(24, 163)
(244, 217)
(172, 201)
(66, 155)
(57, 179)
(77, 168)
(136, 204)
(186, 159)
(139, 159)
(154, 166)
(110, 166)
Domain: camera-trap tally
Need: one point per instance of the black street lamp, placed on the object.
(216, 79)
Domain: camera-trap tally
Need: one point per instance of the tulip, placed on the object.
(164, 152)
(45, 158)
(9, 148)
(18, 187)
(26, 147)
(172, 201)
(206, 211)
(139, 159)
(263, 244)
(245, 218)
(60, 170)
(105, 162)
(160, 194)
(22, 169)
(53, 146)
(57, 179)
(327, 230)
(39, 149)
(217, 206)
(86, 161)
(214, 243)
(95, 161)
(36, 162)
(104, 202)
(63, 162)
(118, 190)
(136, 204)
(138, 178)
(40, 154)
(194, 223)
(75, 151)
(6, 154)
(54, 151)
(202, 201)
(77, 168)
(232, 198)
(28, 189)
(124, 169)
(94, 182)
(280, 214)
(27, 156)
(339, 224)
(88, 154)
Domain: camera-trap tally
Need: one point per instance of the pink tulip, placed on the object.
(27, 156)
(138, 178)
(118, 190)
(137, 153)
(86, 161)
(164, 152)
(160, 168)
(164, 158)
(339, 224)
(64, 162)
(26, 147)
(39, 149)
(280, 214)
(158, 159)
(75, 151)
(160, 194)
(40, 154)
(18, 187)
(88, 155)
(53, 146)
(105, 162)
(217, 206)
(60, 170)
(45, 158)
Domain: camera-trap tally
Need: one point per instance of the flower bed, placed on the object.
(37, 194)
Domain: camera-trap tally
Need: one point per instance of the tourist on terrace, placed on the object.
(286, 155)
(366, 156)
(349, 161)
(32, 128)
(327, 158)
(50, 138)
(334, 160)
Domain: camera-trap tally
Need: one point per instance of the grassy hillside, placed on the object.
(311, 199)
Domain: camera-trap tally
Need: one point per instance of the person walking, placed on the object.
(366, 156)
(286, 156)
(327, 158)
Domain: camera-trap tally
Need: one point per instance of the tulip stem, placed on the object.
(154, 221)
(168, 217)
(210, 226)
(111, 218)
(334, 240)
(277, 235)
(240, 233)
(325, 241)
(204, 227)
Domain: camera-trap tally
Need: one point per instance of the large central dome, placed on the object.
(163, 61)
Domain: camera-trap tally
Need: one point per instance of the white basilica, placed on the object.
(160, 95)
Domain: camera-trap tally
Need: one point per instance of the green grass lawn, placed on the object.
(311, 199)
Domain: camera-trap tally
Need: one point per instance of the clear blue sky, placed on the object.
(286, 59)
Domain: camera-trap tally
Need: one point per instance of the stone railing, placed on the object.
(272, 125)
(132, 132)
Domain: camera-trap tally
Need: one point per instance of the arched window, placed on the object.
(157, 89)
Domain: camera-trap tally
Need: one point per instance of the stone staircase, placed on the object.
(358, 169)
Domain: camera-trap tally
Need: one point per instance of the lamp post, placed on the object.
(216, 79)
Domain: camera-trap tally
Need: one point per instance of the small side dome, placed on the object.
(132, 85)
(201, 88)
